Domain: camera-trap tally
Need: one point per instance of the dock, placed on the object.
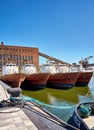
(30, 116)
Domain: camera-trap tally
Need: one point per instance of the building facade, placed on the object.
(18, 55)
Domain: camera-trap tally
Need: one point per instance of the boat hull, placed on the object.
(35, 81)
(79, 120)
(62, 80)
(13, 80)
(84, 78)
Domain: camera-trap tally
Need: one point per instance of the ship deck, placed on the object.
(89, 121)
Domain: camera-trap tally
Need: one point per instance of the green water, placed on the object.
(65, 98)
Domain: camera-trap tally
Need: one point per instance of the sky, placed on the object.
(63, 29)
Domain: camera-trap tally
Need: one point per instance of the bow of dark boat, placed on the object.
(83, 116)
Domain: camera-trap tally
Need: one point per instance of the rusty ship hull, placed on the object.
(62, 80)
(84, 78)
(13, 80)
(35, 81)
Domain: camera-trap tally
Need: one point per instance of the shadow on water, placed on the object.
(67, 98)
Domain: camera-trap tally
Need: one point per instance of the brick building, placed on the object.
(18, 55)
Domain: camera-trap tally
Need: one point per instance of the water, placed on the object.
(64, 100)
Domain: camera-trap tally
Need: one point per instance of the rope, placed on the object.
(25, 98)
(86, 94)
(51, 116)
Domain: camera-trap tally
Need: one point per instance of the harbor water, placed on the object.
(62, 102)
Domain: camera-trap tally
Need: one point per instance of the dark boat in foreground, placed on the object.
(13, 80)
(84, 78)
(35, 81)
(83, 116)
(62, 80)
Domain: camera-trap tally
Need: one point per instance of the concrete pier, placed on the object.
(13, 118)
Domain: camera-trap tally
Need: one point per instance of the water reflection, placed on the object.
(66, 98)
(51, 96)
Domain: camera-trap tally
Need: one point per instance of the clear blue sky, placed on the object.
(60, 28)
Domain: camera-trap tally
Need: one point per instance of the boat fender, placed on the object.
(14, 92)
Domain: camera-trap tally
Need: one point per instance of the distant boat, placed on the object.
(62, 80)
(90, 69)
(13, 80)
(33, 79)
(59, 79)
(83, 116)
(84, 78)
(11, 76)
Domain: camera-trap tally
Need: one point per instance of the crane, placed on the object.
(85, 61)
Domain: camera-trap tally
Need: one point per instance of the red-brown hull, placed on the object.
(62, 80)
(84, 78)
(35, 81)
(13, 80)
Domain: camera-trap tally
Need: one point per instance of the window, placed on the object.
(32, 58)
(0, 56)
(29, 58)
(22, 57)
(10, 57)
(0, 64)
(6, 56)
(16, 57)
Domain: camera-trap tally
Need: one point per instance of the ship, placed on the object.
(35, 81)
(11, 76)
(62, 80)
(89, 67)
(13, 80)
(58, 78)
(84, 75)
(84, 78)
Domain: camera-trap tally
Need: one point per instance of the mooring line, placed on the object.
(25, 98)
(86, 94)
(55, 117)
